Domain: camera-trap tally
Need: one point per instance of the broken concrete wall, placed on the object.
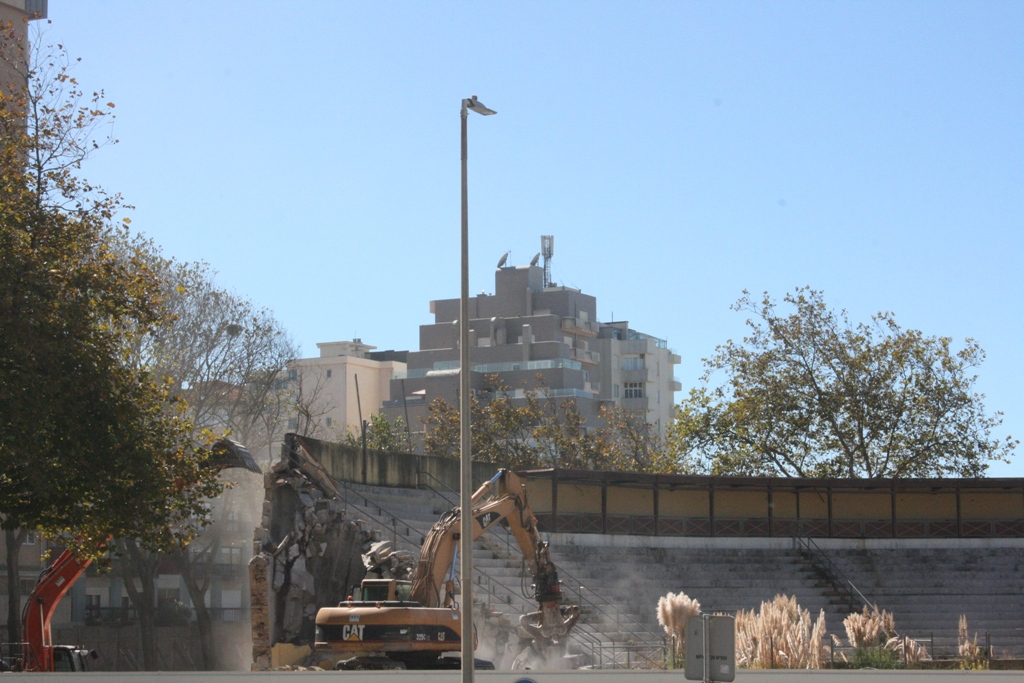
(385, 468)
(307, 553)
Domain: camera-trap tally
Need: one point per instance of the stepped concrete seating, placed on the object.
(501, 583)
(618, 579)
(927, 588)
(722, 579)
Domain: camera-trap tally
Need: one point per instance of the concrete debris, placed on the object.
(383, 561)
(307, 555)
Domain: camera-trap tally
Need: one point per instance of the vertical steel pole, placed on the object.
(706, 623)
(465, 450)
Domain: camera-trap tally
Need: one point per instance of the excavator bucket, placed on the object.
(229, 453)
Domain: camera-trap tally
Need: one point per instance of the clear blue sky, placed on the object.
(679, 152)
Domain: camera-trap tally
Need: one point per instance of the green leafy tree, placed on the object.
(381, 435)
(811, 394)
(91, 445)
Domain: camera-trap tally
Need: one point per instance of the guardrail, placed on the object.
(835, 575)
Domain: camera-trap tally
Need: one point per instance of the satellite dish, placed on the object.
(535, 259)
(504, 258)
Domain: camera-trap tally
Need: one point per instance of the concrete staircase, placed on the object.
(928, 588)
(607, 635)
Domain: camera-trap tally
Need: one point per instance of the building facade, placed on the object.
(536, 336)
(348, 380)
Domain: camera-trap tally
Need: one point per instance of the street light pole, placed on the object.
(465, 448)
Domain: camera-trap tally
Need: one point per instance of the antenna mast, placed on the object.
(547, 249)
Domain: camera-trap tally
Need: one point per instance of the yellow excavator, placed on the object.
(391, 624)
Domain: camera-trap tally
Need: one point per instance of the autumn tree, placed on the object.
(566, 442)
(808, 393)
(502, 431)
(221, 353)
(632, 443)
(92, 446)
(538, 430)
(307, 403)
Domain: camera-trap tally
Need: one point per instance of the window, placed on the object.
(230, 555)
(328, 372)
(293, 423)
(293, 375)
(634, 390)
(166, 596)
(330, 421)
(633, 363)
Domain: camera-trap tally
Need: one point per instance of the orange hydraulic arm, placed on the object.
(53, 585)
(502, 499)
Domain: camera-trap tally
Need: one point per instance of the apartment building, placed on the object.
(346, 380)
(530, 328)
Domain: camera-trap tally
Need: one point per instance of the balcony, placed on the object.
(586, 357)
(579, 326)
(637, 375)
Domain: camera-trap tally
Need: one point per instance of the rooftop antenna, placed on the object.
(547, 249)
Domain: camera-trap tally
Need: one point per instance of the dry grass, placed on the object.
(972, 655)
(869, 629)
(907, 650)
(876, 630)
(780, 636)
(673, 611)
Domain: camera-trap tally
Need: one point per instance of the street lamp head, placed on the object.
(474, 104)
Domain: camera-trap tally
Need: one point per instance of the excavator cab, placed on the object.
(67, 658)
(382, 590)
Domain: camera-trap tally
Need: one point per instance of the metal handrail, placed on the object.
(816, 552)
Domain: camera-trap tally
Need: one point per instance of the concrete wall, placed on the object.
(722, 505)
(398, 470)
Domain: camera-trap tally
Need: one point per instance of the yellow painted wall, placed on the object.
(783, 505)
(925, 506)
(861, 506)
(813, 505)
(538, 494)
(683, 504)
(628, 501)
(579, 498)
(741, 504)
(991, 505)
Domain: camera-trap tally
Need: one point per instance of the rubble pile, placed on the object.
(307, 555)
(384, 562)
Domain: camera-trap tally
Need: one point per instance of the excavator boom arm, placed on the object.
(54, 584)
(502, 499)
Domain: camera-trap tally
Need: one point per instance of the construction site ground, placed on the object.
(743, 676)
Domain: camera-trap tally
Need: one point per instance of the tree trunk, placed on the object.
(15, 539)
(141, 564)
(197, 594)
